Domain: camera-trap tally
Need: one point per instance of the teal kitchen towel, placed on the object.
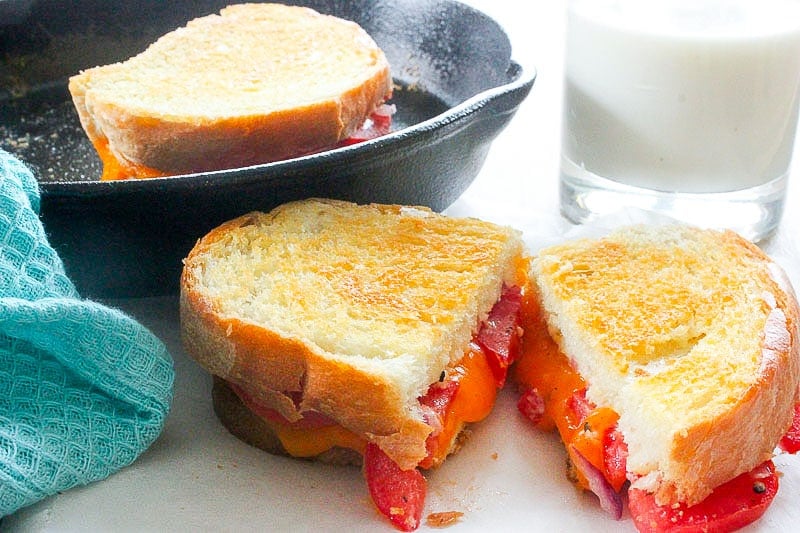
(84, 389)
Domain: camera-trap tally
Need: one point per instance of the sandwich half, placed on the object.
(254, 84)
(371, 334)
(667, 359)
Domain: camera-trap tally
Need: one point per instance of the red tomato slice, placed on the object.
(439, 396)
(615, 458)
(731, 506)
(438, 399)
(398, 494)
(377, 125)
(791, 441)
(499, 335)
(579, 406)
(532, 405)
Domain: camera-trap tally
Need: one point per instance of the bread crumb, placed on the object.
(443, 519)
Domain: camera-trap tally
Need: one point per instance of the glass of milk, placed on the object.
(686, 108)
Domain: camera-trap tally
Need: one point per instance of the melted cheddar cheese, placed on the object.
(472, 402)
(308, 442)
(114, 169)
(542, 366)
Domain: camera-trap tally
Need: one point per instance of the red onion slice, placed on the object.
(610, 501)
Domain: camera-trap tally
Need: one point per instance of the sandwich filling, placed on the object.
(465, 393)
(553, 396)
(666, 358)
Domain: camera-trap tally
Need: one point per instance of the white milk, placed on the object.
(684, 96)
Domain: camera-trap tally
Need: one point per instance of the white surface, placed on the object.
(509, 476)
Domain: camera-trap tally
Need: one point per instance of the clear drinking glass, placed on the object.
(687, 108)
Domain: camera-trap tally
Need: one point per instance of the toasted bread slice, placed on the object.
(350, 311)
(691, 336)
(256, 83)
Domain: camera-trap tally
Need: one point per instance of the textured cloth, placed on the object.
(84, 389)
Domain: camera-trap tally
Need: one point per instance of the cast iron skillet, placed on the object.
(458, 88)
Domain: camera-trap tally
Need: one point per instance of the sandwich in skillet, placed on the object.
(254, 84)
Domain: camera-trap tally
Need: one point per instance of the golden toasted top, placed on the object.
(375, 282)
(249, 59)
(647, 296)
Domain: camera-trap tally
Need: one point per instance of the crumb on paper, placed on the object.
(444, 519)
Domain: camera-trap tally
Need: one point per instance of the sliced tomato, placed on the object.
(731, 506)
(438, 399)
(398, 494)
(579, 407)
(791, 440)
(615, 458)
(531, 404)
(378, 124)
(439, 396)
(499, 334)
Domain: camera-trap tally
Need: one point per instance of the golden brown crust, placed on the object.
(691, 335)
(367, 305)
(717, 449)
(191, 121)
